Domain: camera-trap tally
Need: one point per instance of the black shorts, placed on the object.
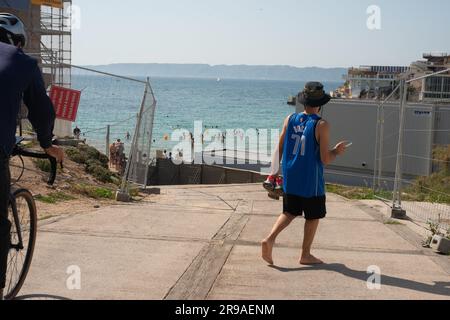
(313, 208)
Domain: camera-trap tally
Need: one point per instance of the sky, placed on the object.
(302, 33)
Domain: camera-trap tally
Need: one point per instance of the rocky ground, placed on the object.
(74, 190)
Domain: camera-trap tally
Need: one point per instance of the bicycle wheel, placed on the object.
(19, 258)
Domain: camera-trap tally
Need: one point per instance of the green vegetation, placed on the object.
(54, 198)
(76, 155)
(94, 168)
(357, 193)
(43, 165)
(435, 188)
(393, 222)
(94, 192)
(442, 157)
(83, 153)
(96, 163)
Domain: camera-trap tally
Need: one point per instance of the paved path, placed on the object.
(202, 242)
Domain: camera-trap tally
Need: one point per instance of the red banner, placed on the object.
(66, 102)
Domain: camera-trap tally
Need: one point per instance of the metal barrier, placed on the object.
(413, 139)
(101, 90)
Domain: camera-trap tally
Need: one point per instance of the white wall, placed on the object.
(356, 121)
(62, 128)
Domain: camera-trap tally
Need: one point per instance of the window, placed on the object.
(447, 85)
(433, 84)
(437, 88)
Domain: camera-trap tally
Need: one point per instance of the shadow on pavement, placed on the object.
(41, 297)
(440, 288)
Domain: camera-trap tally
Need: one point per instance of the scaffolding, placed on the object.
(54, 32)
(49, 35)
(49, 41)
(56, 43)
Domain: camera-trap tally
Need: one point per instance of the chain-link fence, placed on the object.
(108, 108)
(116, 116)
(413, 156)
(140, 157)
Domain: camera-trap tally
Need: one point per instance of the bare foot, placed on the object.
(267, 247)
(310, 260)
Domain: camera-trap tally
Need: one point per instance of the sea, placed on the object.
(220, 104)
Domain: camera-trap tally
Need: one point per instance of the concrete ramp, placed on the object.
(202, 242)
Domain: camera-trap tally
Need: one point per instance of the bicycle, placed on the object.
(23, 216)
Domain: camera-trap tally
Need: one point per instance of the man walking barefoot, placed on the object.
(304, 148)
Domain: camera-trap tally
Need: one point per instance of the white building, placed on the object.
(435, 88)
(372, 81)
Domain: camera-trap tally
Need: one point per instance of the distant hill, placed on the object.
(223, 71)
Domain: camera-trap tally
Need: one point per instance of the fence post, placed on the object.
(381, 149)
(379, 145)
(397, 210)
(376, 161)
(108, 132)
(149, 87)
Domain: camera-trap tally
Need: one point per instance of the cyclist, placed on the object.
(20, 78)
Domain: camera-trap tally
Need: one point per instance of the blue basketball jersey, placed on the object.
(302, 165)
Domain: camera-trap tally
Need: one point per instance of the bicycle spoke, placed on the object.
(10, 282)
(12, 271)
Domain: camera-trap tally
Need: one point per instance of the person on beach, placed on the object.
(120, 152)
(112, 155)
(77, 133)
(304, 149)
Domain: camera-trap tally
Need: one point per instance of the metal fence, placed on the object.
(117, 110)
(140, 157)
(412, 157)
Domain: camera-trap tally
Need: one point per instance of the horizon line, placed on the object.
(213, 65)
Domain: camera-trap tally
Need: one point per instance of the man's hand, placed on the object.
(56, 153)
(340, 148)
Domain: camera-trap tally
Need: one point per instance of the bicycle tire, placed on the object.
(13, 289)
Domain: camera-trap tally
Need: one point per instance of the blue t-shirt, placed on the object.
(302, 164)
(21, 79)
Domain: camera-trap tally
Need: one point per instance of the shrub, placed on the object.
(104, 160)
(54, 197)
(104, 193)
(356, 193)
(91, 164)
(102, 174)
(94, 192)
(96, 163)
(92, 153)
(97, 170)
(43, 165)
(76, 155)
